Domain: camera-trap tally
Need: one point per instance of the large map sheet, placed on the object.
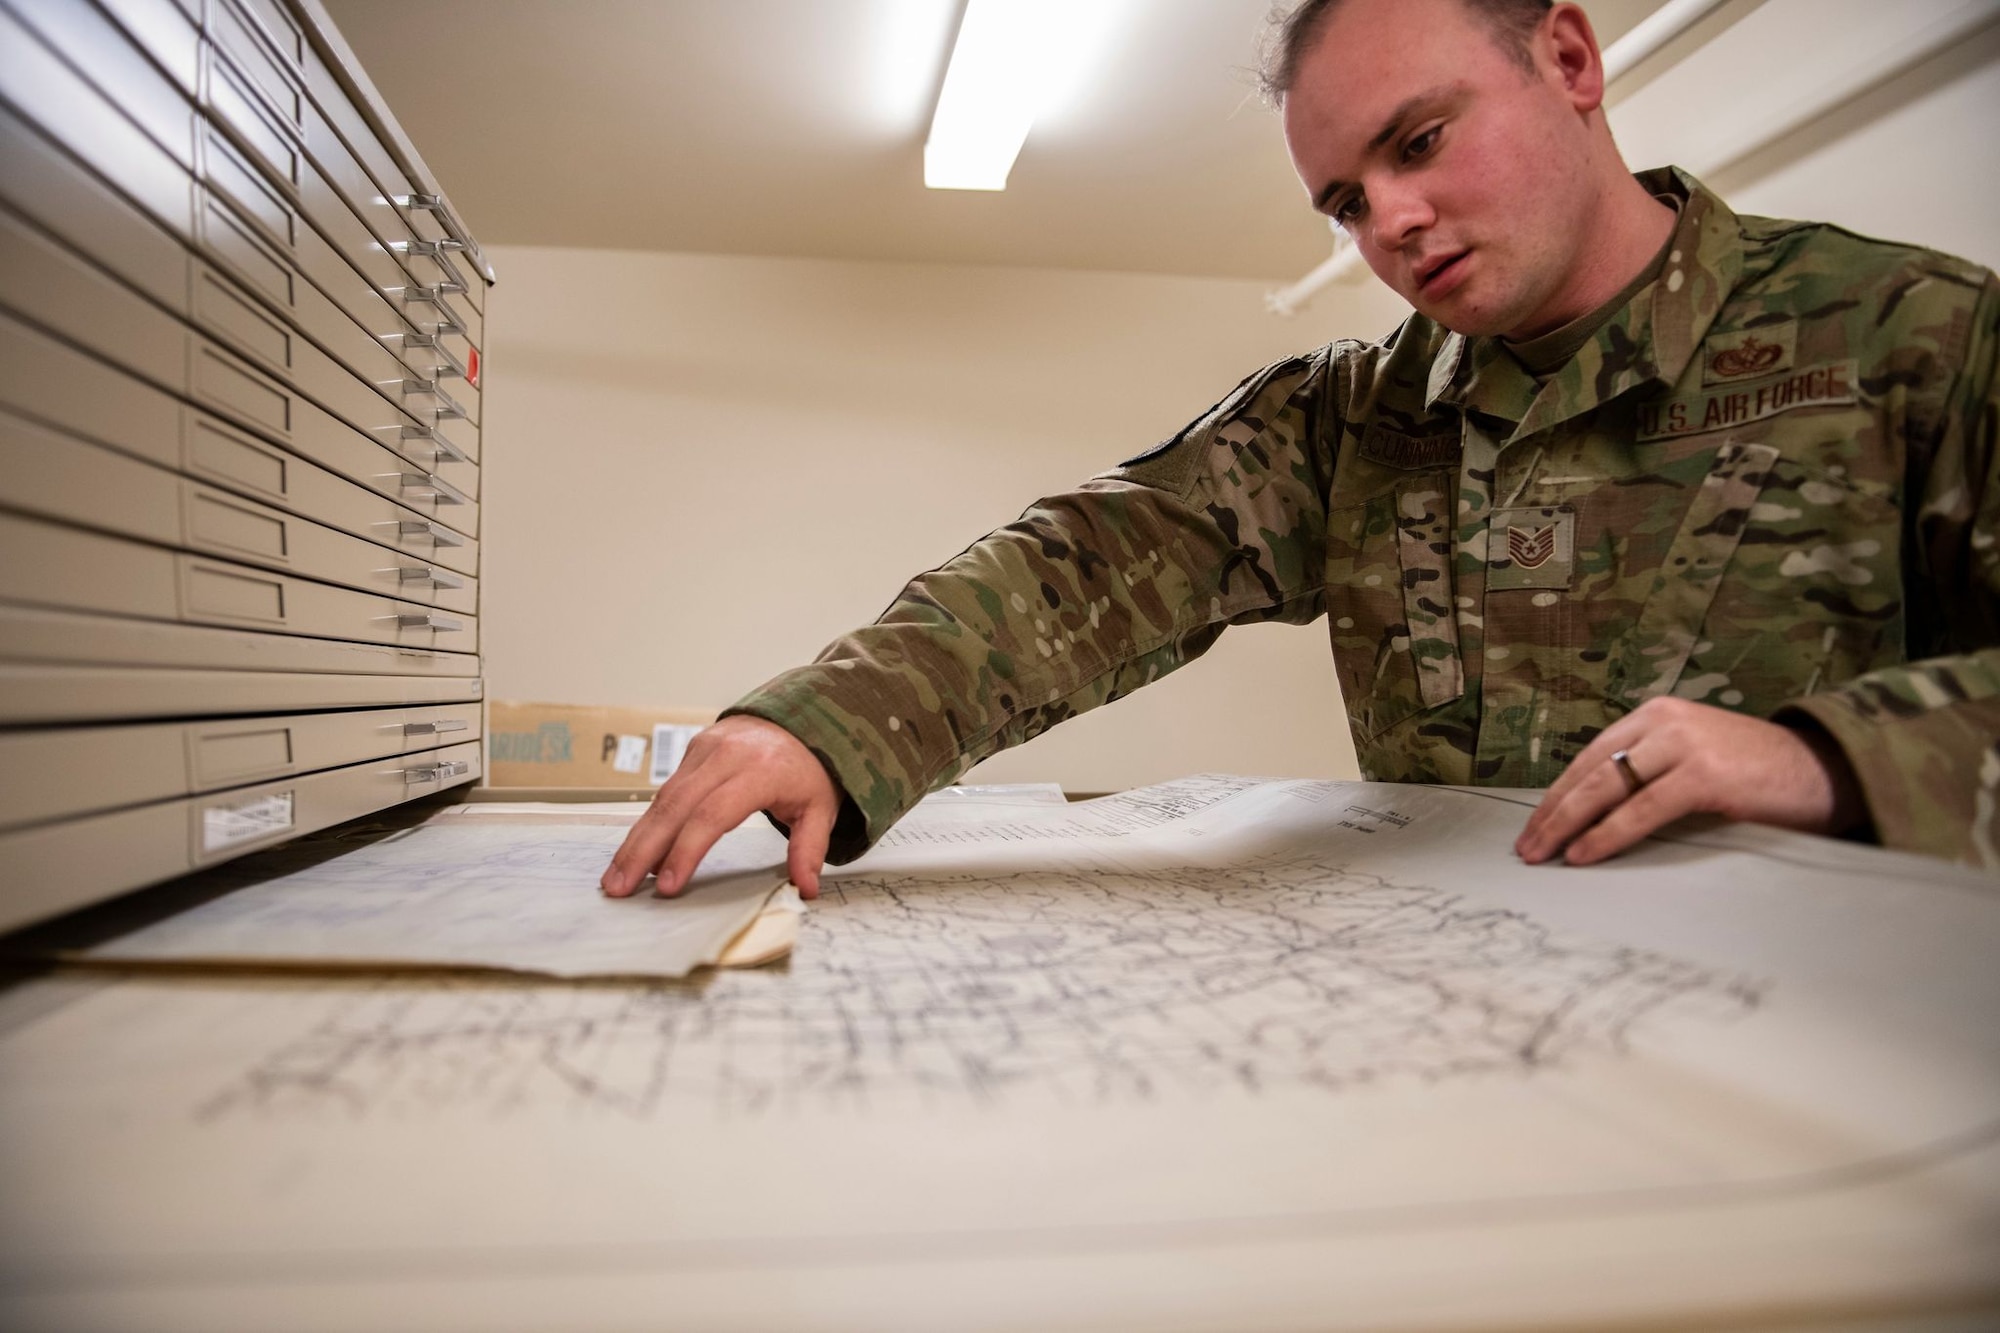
(1222, 1053)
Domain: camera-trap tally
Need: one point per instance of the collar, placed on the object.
(1651, 341)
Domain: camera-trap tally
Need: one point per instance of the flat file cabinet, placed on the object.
(240, 402)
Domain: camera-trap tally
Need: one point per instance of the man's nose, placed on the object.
(1398, 213)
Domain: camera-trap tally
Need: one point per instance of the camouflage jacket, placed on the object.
(1765, 484)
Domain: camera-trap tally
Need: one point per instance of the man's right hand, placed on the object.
(732, 770)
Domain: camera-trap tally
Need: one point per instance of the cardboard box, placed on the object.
(576, 745)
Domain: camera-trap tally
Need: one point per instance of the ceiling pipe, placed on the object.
(1654, 32)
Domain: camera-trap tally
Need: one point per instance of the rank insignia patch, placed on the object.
(1531, 548)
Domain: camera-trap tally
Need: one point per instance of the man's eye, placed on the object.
(1349, 210)
(1421, 144)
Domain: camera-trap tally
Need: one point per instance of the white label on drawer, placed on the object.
(670, 742)
(631, 756)
(244, 821)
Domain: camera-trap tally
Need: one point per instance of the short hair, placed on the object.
(1294, 33)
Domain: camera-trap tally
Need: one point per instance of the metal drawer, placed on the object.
(42, 87)
(243, 77)
(341, 195)
(53, 565)
(151, 93)
(53, 475)
(48, 185)
(300, 213)
(411, 233)
(296, 230)
(56, 867)
(251, 49)
(53, 383)
(281, 31)
(352, 129)
(43, 694)
(38, 635)
(47, 284)
(359, 193)
(88, 123)
(51, 773)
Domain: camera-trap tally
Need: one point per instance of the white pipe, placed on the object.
(1654, 31)
(1659, 28)
(1287, 301)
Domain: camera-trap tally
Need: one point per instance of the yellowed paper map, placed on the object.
(510, 892)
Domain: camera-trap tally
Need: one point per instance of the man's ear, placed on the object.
(1568, 41)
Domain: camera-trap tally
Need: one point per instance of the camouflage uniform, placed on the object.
(1764, 484)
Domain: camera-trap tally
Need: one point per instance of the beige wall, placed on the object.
(701, 468)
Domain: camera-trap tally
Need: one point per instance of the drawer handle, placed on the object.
(437, 578)
(436, 728)
(451, 367)
(438, 772)
(428, 249)
(434, 294)
(446, 451)
(447, 409)
(427, 620)
(448, 320)
(439, 535)
(436, 203)
(440, 490)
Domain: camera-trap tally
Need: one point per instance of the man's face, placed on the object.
(1459, 173)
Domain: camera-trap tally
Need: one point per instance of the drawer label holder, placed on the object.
(224, 826)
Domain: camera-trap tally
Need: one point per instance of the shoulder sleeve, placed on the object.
(1924, 738)
(1087, 596)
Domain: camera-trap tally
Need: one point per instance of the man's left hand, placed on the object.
(1690, 758)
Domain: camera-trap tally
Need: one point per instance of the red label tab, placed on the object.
(472, 365)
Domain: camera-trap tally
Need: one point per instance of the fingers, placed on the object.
(733, 769)
(1647, 811)
(724, 808)
(647, 842)
(810, 834)
(1624, 734)
(1595, 788)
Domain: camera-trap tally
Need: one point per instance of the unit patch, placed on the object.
(1737, 405)
(1531, 548)
(1394, 448)
(1750, 354)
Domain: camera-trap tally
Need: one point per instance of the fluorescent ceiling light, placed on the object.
(908, 43)
(1010, 56)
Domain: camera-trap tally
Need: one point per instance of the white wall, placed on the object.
(700, 468)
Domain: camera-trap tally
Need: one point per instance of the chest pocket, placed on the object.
(1671, 618)
(1813, 597)
(1390, 600)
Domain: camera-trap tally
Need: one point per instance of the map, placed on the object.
(1030, 988)
(1223, 1053)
